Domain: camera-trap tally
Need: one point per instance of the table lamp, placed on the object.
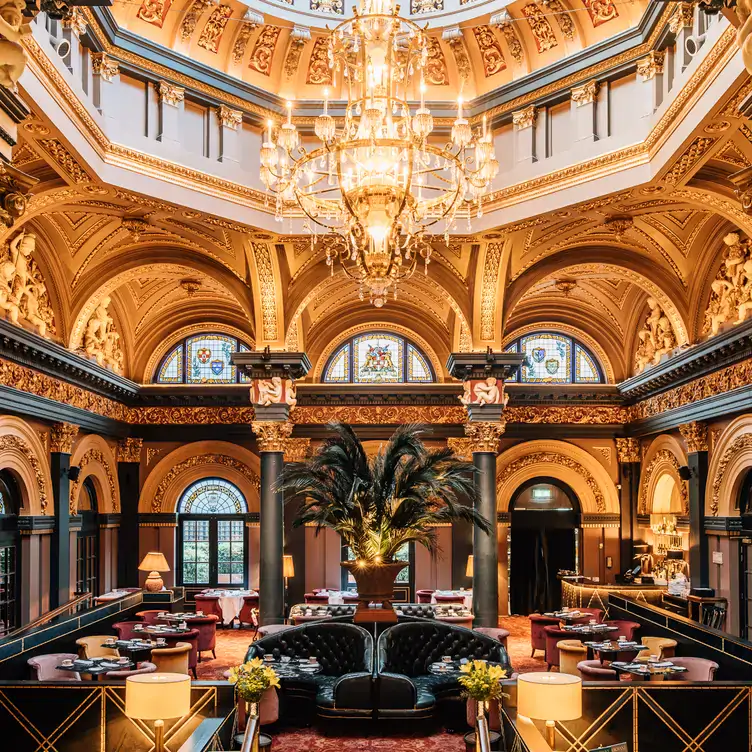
(549, 697)
(154, 697)
(469, 567)
(154, 562)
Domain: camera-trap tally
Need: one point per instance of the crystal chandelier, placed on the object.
(376, 184)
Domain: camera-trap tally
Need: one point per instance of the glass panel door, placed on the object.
(230, 552)
(212, 552)
(8, 601)
(196, 552)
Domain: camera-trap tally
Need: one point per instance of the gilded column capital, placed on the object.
(682, 18)
(695, 436)
(585, 94)
(524, 118)
(628, 450)
(75, 21)
(649, 67)
(129, 450)
(103, 65)
(229, 118)
(62, 436)
(297, 450)
(170, 94)
(462, 447)
(485, 435)
(272, 435)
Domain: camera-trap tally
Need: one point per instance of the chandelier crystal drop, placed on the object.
(377, 182)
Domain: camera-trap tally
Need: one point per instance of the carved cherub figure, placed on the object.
(487, 393)
(291, 393)
(12, 31)
(270, 391)
(467, 395)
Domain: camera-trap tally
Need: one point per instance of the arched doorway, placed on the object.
(10, 552)
(87, 541)
(212, 535)
(545, 514)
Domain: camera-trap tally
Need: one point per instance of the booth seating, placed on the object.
(663, 647)
(345, 653)
(571, 652)
(299, 612)
(405, 651)
(537, 636)
(554, 635)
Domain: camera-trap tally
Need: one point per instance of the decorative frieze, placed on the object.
(601, 11)
(75, 21)
(540, 28)
(62, 437)
(695, 436)
(263, 51)
(170, 94)
(297, 450)
(490, 51)
(418, 7)
(683, 17)
(129, 450)
(319, 72)
(154, 11)
(211, 34)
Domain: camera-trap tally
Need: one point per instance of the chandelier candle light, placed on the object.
(377, 184)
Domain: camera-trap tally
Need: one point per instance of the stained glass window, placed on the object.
(202, 359)
(378, 358)
(212, 496)
(552, 358)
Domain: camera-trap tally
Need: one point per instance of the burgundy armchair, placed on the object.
(125, 629)
(495, 633)
(209, 604)
(246, 616)
(588, 614)
(206, 626)
(149, 617)
(537, 635)
(554, 635)
(424, 596)
(145, 667)
(698, 669)
(316, 598)
(626, 628)
(449, 599)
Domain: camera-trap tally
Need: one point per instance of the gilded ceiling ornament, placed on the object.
(152, 454)
(10, 442)
(666, 458)
(605, 452)
(524, 118)
(462, 447)
(619, 226)
(272, 435)
(187, 416)
(490, 51)
(23, 293)
(461, 59)
(265, 268)
(585, 94)
(695, 436)
(263, 50)
(739, 444)
(188, 25)
(103, 65)
(731, 290)
(485, 434)
(170, 94)
(539, 27)
(129, 450)
(601, 11)
(425, 6)
(101, 339)
(569, 414)
(651, 66)
(656, 338)
(553, 458)
(628, 450)
(732, 155)
(683, 17)
(565, 286)
(505, 22)
(229, 118)
(563, 18)
(695, 151)
(211, 35)
(65, 160)
(154, 11)
(319, 71)
(196, 461)
(191, 286)
(136, 227)
(62, 436)
(93, 455)
(75, 21)
(491, 268)
(241, 41)
(327, 6)
(435, 67)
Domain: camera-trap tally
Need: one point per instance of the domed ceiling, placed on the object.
(475, 48)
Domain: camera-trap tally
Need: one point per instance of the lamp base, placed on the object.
(154, 583)
(551, 734)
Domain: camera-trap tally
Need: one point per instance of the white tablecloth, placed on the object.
(467, 596)
(336, 597)
(230, 602)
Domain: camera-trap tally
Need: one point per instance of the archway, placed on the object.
(545, 518)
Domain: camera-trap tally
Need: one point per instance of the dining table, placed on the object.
(97, 668)
(466, 595)
(608, 651)
(591, 630)
(230, 602)
(132, 647)
(648, 670)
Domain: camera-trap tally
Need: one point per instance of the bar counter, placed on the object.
(581, 592)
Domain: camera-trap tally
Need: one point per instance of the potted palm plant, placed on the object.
(379, 505)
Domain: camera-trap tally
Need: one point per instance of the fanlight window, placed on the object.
(202, 359)
(212, 496)
(552, 358)
(378, 358)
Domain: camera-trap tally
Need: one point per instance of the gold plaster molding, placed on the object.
(62, 437)
(90, 457)
(485, 435)
(739, 445)
(273, 435)
(129, 450)
(663, 461)
(10, 442)
(628, 450)
(695, 436)
(462, 446)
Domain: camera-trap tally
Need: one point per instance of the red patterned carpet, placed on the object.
(315, 741)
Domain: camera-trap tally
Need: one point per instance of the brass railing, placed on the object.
(74, 605)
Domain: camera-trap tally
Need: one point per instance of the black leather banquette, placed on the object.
(345, 652)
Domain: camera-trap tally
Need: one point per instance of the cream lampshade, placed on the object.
(469, 568)
(154, 697)
(154, 562)
(549, 697)
(288, 567)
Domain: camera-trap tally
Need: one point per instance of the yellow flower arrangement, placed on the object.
(481, 681)
(252, 679)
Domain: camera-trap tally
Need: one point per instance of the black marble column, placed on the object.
(485, 547)
(695, 436)
(628, 454)
(61, 443)
(271, 517)
(128, 481)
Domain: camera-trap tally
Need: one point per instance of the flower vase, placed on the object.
(375, 582)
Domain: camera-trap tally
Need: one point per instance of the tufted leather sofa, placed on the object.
(345, 652)
(404, 654)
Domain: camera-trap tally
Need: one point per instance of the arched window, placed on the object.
(552, 358)
(378, 358)
(213, 540)
(202, 359)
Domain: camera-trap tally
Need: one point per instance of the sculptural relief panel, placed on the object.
(490, 51)
(601, 11)
(656, 338)
(436, 69)
(319, 71)
(211, 35)
(154, 11)
(101, 340)
(263, 50)
(540, 28)
(731, 290)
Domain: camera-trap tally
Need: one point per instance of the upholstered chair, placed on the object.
(145, 667)
(588, 614)
(553, 636)
(173, 660)
(149, 617)
(571, 652)
(207, 633)
(91, 647)
(460, 621)
(209, 604)
(125, 629)
(698, 669)
(663, 647)
(537, 636)
(496, 633)
(274, 629)
(626, 628)
(424, 596)
(595, 671)
(190, 638)
(45, 667)
(444, 600)
(246, 616)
